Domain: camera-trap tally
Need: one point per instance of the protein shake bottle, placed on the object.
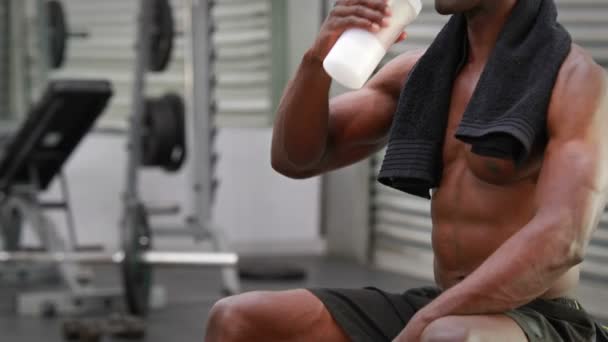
(358, 52)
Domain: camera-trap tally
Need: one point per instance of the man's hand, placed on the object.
(371, 15)
(414, 329)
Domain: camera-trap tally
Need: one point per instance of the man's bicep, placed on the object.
(363, 117)
(359, 121)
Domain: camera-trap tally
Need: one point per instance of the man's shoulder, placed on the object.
(392, 75)
(579, 89)
(579, 64)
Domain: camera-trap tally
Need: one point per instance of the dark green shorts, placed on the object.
(371, 314)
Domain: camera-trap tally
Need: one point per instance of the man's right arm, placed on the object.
(313, 134)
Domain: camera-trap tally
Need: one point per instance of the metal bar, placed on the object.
(151, 257)
(187, 231)
(189, 259)
(46, 257)
(163, 211)
(58, 205)
(19, 91)
(199, 98)
(69, 214)
(140, 67)
(4, 59)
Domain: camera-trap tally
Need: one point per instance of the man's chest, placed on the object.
(490, 170)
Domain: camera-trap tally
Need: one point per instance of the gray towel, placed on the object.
(507, 113)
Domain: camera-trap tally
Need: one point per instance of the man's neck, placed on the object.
(484, 25)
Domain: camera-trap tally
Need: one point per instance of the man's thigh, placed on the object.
(371, 314)
(295, 315)
(494, 328)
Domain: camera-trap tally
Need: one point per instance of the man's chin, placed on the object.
(444, 10)
(446, 7)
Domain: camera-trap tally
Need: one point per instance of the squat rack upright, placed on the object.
(200, 109)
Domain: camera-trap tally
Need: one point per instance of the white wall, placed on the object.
(260, 211)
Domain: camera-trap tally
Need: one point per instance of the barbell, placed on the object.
(161, 35)
(136, 269)
(156, 258)
(136, 260)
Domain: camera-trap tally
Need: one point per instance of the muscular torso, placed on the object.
(481, 202)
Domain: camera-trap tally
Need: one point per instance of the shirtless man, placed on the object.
(498, 211)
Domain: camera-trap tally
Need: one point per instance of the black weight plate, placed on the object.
(148, 142)
(178, 151)
(164, 131)
(164, 140)
(162, 35)
(158, 133)
(159, 137)
(137, 276)
(57, 33)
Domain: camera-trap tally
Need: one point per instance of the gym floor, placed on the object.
(191, 293)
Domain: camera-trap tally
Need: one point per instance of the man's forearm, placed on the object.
(524, 268)
(302, 123)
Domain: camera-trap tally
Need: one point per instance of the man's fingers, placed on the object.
(379, 5)
(360, 11)
(402, 37)
(352, 21)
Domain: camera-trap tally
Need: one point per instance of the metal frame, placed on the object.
(19, 91)
(201, 108)
(199, 104)
(4, 58)
(279, 53)
(77, 295)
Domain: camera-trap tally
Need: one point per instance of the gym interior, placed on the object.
(101, 240)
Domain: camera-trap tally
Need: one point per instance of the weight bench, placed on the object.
(33, 157)
(52, 131)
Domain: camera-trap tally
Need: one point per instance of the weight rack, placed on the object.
(199, 63)
(137, 256)
(200, 109)
(4, 59)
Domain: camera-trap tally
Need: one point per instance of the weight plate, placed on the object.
(178, 151)
(166, 131)
(157, 133)
(162, 35)
(137, 276)
(164, 142)
(57, 33)
(148, 141)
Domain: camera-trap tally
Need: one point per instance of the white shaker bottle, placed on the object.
(358, 52)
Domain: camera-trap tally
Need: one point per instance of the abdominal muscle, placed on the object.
(473, 218)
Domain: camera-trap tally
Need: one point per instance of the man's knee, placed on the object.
(232, 318)
(447, 329)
